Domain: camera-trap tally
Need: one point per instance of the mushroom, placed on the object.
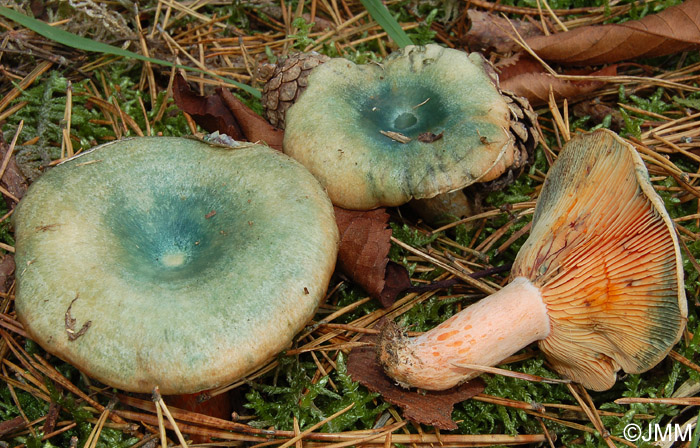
(171, 262)
(426, 121)
(598, 283)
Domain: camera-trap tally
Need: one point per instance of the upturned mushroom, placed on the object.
(598, 283)
(171, 262)
(426, 121)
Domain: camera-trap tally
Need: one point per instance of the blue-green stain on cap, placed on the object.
(426, 121)
(192, 263)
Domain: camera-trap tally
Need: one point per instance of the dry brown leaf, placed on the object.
(672, 30)
(426, 407)
(255, 128)
(365, 241)
(227, 114)
(491, 32)
(526, 77)
(209, 112)
(7, 269)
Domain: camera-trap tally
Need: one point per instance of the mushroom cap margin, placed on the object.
(185, 332)
(335, 128)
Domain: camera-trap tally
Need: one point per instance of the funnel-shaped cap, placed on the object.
(426, 121)
(170, 262)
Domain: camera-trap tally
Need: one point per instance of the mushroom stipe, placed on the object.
(172, 262)
(598, 283)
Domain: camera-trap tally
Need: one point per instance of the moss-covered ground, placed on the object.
(45, 402)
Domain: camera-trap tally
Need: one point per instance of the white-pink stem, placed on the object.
(483, 334)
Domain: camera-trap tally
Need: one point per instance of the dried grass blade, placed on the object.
(66, 144)
(590, 412)
(9, 112)
(94, 436)
(362, 440)
(26, 82)
(161, 426)
(82, 43)
(512, 374)
(160, 405)
(683, 360)
(187, 429)
(312, 428)
(11, 149)
(465, 277)
(688, 401)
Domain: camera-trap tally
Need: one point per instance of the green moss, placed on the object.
(692, 101)
(349, 293)
(43, 115)
(301, 37)
(428, 314)
(31, 406)
(485, 418)
(424, 34)
(412, 236)
(293, 395)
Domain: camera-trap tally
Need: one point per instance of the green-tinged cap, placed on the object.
(170, 262)
(427, 121)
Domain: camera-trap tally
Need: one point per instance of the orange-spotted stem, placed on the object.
(483, 334)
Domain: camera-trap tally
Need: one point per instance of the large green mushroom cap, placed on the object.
(170, 262)
(427, 121)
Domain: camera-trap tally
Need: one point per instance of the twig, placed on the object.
(459, 273)
(312, 428)
(590, 412)
(161, 404)
(11, 148)
(513, 374)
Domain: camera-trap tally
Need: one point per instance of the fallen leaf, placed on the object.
(673, 30)
(224, 112)
(426, 407)
(209, 112)
(365, 241)
(491, 32)
(429, 137)
(7, 269)
(255, 128)
(524, 76)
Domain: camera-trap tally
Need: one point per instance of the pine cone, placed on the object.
(285, 81)
(523, 127)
